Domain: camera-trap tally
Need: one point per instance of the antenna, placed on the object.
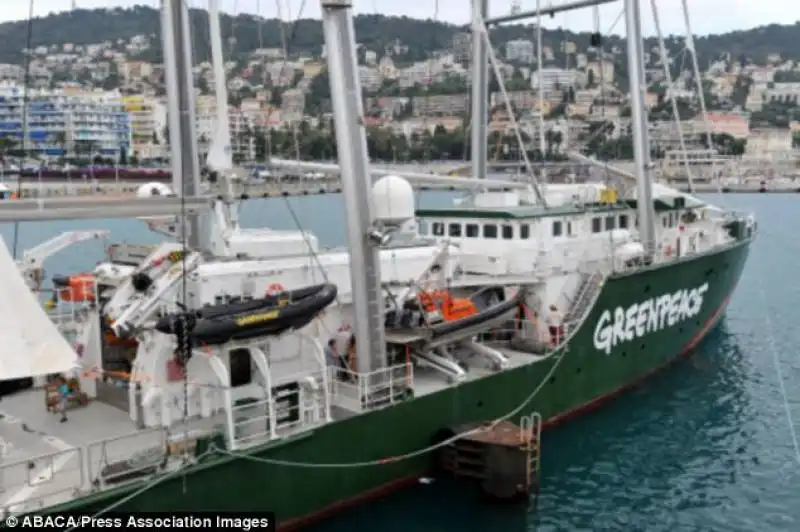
(74, 5)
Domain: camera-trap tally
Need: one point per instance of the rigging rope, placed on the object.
(779, 372)
(25, 104)
(560, 352)
(152, 484)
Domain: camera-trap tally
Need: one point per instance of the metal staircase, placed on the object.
(585, 295)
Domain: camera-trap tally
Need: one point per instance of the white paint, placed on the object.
(645, 317)
(44, 475)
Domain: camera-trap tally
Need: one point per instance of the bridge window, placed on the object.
(569, 228)
(524, 231)
(623, 221)
(489, 231)
(438, 229)
(473, 231)
(610, 223)
(597, 225)
(508, 232)
(454, 230)
(557, 228)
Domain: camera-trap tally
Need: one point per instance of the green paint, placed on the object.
(584, 374)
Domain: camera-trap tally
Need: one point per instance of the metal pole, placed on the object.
(641, 144)
(662, 48)
(368, 302)
(540, 88)
(480, 90)
(176, 39)
(567, 6)
(223, 134)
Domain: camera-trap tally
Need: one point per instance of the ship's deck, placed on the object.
(427, 380)
(46, 462)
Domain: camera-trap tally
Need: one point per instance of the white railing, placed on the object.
(293, 404)
(357, 392)
(34, 483)
(67, 314)
(130, 457)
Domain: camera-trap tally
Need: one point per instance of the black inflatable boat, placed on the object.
(270, 315)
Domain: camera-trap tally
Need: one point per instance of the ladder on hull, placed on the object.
(504, 458)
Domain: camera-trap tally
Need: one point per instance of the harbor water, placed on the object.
(704, 446)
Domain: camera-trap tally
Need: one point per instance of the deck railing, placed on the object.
(33, 483)
(357, 392)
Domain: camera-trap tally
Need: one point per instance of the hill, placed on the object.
(375, 32)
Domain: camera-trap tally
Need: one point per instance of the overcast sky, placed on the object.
(708, 16)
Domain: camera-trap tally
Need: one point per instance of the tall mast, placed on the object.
(219, 154)
(480, 90)
(177, 46)
(641, 142)
(351, 140)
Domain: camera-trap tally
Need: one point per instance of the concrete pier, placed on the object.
(314, 187)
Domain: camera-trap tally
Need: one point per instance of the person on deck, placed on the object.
(351, 353)
(64, 394)
(332, 357)
(555, 325)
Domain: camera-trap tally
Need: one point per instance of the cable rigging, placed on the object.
(25, 105)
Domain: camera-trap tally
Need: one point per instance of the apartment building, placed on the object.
(439, 105)
(769, 141)
(65, 122)
(554, 79)
(521, 51)
(148, 118)
(241, 128)
(462, 47)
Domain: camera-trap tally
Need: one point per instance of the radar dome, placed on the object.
(393, 198)
(150, 190)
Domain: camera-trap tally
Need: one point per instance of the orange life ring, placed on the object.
(274, 289)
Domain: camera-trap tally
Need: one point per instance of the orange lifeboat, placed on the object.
(75, 288)
(452, 308)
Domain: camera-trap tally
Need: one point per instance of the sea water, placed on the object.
(703, 446)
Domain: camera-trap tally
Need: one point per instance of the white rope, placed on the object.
(153, 483)
(563, 348)
(779, 373)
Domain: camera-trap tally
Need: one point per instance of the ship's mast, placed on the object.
(362, 238)
(179, 79)
(219, 157)
(479, 91)
(641, 142)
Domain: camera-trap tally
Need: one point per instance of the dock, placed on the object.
(504, 458)
(31, 189)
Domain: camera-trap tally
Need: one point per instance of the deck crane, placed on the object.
(32, 263)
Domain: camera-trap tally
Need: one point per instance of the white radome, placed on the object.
(150, 190)
(393, 198)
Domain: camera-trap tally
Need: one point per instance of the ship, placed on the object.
(441, 317)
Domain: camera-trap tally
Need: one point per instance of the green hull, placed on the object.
(585, 377)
